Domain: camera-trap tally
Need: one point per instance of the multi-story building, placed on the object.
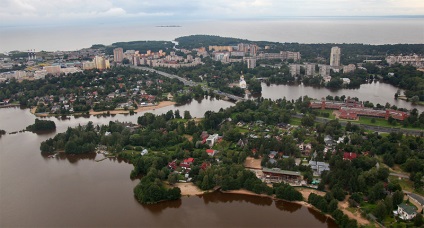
(221, 48)
(335, 57)
(251, 62)
(54, 70)
(349, 68)
(88, 65)
(253, 49)
(118, 55)
(101, 63)
(310, 69)
(295, 69)
(324, 70)
(414, 60)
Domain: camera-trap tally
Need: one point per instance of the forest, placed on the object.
(41, 125)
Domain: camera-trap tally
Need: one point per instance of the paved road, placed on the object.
(400, 175)
(416, 197)
(190, 83)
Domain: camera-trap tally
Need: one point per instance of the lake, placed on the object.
(375, 92)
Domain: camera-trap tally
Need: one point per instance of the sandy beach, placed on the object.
(189, 189)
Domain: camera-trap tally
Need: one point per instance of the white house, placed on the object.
(406, 212)
(212, 139)
(144, 152)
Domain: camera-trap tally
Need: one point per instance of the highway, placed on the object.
(190, 83)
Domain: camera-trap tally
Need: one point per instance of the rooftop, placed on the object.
(279, 171)
(408, 208)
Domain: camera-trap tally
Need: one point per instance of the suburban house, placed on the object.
(144, 152)
(349, 156)
(211, 152)
(406, 211)
(186, 163)
(212, 139)
(318, 167)
(328, 140)
(272, 154)
(173, 165)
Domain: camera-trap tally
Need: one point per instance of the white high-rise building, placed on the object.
(335, 57)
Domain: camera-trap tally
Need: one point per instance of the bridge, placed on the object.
(190, 83)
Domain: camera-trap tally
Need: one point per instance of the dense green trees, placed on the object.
(405, 77)
(42, 125)
(152, 190)
(328, 204)
(77, 140)
(287, 192)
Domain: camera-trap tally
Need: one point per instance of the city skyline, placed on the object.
(25, 12)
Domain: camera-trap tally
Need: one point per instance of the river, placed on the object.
(76, 191)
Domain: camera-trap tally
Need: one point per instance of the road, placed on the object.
(190, 83)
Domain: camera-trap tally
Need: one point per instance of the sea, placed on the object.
(367, 30)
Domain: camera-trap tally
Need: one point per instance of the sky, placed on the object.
(41, 12)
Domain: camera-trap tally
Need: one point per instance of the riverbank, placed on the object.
(189, 189)
(9, 105)
(161, 104)
(343, 206)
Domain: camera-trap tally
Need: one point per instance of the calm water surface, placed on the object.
(76, 191)
(302, 30)
(374, 92)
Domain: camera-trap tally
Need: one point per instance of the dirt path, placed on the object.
(344, 205)
(307, 191)
(252, 163)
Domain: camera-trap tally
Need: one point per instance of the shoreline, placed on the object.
(161, 104)
(189, 189)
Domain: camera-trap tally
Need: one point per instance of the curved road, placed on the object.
(189, 83)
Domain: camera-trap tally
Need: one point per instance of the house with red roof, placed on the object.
(211, 152)
(173, 165)
(349, 156)
(186, 163)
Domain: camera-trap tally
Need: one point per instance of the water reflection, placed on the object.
(162, 206)
(318, 215)
(219, 197)
(287, 206)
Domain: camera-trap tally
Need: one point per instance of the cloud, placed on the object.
(22, 11)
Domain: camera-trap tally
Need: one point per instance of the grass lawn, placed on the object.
(295, 121)
(388, 221)
(330, 112)
(378, 122)
(368, 207)
(404, 183)
(242, 130)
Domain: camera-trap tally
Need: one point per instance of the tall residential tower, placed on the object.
(118, 55)
(335, 57)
